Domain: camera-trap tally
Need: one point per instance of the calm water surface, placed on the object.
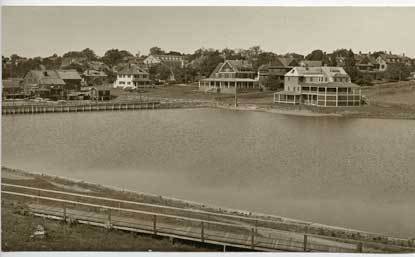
(358, 173)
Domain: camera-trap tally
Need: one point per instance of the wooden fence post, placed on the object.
(360, 247)
(305, 243)
(155, 224)
(109, 218)
(202, 232)
(64, 212)
(252, 238)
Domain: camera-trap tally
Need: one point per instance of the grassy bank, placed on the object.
(389, 101)
(394, 100)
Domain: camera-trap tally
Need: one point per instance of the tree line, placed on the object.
(199, 64)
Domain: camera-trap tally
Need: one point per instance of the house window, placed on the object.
(128, 83)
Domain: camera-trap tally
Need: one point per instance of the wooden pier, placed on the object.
(33, 108)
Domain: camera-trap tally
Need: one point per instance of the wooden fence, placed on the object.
(32, 108)
(204, 228)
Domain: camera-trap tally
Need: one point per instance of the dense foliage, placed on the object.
(197, 65)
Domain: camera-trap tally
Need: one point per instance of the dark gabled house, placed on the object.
(100, 93)
(366, 63)
(271, 76)
(53, 84)
(94, 77)
(71, 78)
(12, 88)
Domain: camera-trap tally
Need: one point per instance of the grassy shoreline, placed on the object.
(386, 101)
(394, 100)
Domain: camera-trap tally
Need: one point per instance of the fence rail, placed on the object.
(196, 229)
(31, 108)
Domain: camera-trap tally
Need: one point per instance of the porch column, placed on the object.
(325, 96)
(347, 97)
(337, 96)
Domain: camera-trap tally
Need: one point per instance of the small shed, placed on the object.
(100, 93)
(12, 88)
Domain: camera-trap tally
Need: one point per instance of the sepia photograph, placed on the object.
(208, 129)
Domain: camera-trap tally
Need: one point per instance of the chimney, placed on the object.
(403, 54)
(360, 52)
(390, 52)
(370, 53)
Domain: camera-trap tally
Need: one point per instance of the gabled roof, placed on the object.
(94, 73)
(309, 63)
(51, 81)
(388, 56)
(68, 74)
(313, 71)
(54, 77)
(366, 61)
(270, 69)
(132, 70)
(240, 65)
(12, 83)
(287, 61)
(216, 69)
(332, 84)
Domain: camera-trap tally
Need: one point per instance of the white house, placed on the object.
(319, 86)
(132, 77)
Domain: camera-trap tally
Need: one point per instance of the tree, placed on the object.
(156, 50)
(341, 52)
(254, 51)
(227, 53)
(174, 53)
(263, 58)
(14, 58)
(113, 57)
(316, 55)
(397, 71)
(377, 54)
(89, 54)
(350, 67)
(204, 61)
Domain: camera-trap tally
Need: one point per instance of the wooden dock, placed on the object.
(33, 108)
(174, 222)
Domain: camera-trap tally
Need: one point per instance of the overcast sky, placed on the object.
(43, 31)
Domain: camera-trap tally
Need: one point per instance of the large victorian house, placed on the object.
(319, 86)
(229, 76)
